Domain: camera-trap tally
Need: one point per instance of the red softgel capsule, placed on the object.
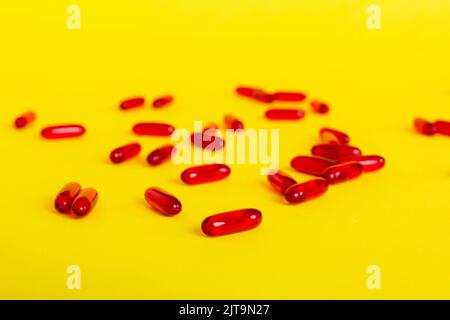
(205, 173)
(209, 138)
(66, 195)
(328, 135)
(233, 123)
(124, 153)
(343, 172)
(306, 191)
(132, 103)
(162, 201)
(369, 163)
(85, 202)
(442, 127)
(153, 129)
(231, 222)
(280, 181)
(24, 120)
(63, 131)
(311, 165)
(246, 91)
(289, 96)
(162, 101)
(256, 94)
(285, 114)
(158, 156)
(319, 107)
(334, 151)
(424, 127)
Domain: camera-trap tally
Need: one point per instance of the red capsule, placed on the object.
(25, 119)
(231, 222)
(280, 181)
(162, 101)
(153, 129)
(334, 136)
(306, 191)
(424, 127)
(124, 153)
(319, 107)
(66, 195)
(160, 155)
(334, 151)
(205, 173)
(233, 123)
(208, 139)
(162, 201)
(85, 201)
(285, 114)
(311, 165)
(256, 94)
(343, 172)
(369, 163)
(289, 96)
(246, 91)
(132, 103)
(442, 127)
(63, 131)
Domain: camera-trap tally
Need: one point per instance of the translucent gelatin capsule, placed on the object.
(162, 201)
(208, 138)
(162, 101)
(289, 96)
(262, 96)
(311, 165)
(343, 172)
(306, 191)
(132, 103)
(160, 155)
(319, 107)
(233, 123)
(205, 173)
(424, 127)
(328, 135)
(369, 163)
(63, 131)
(153, 129)
(334, 151)
(124, 153)
(285, 114)
(246, 91)
(280, 181)
(25, 119)
(66, 195)
(231, 222)
(85, 201)
(442, 127)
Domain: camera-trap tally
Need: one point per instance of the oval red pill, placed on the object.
(162, 101)
(424, 127)
(334, 151)
(369, 163)
(66, 196)
(63, 131)
(306, 191)
(160, 155)
(162, 201)
(124, 153)
(153, 129)
(311, 165)
(205, 173)
(231, 222)
(328, 135)
(289, 96)
(280, 181)
(85, 202)
(343, 172)
(284, 114)
(132, 103)
(25, 119)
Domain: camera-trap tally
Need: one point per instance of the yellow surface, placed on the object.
(376, 82)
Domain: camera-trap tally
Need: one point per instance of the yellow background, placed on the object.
(376, 82)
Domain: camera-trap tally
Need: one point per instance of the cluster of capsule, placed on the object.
(430, 128)
(74, 200)
(333, 161)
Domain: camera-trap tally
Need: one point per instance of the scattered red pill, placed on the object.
(319, 107)
(280, 181)
(85, 201)
(153, 129)
(424, 127)
(246, 91)
(125, 152)
(63, 131)
(160, 155)
(209, 138)
(442, 127)
(256, 94)
(285, 114)
(205, 173)
(162, 101)
(334, 151)
(132, 103)
(231, 222)
(162, 201)
(311, 165)
(289, 96)
(328, 135)
(369, 163)
(233, 123)
(25, 119)
(306, 191)
(66, 195)
(343, 172)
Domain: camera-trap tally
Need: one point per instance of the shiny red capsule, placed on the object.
(153, 129)
(343, 172)
(442, 127)
(289, 96)
(246, 91)
(162, 201)
(66, 195)
(369, 163)
(231, 222)
(233, 123)
(319, 107)
(256, 94)
(25, 119)
(160, 155)
(85, 201)
(334, 151)
(63, 131)
(328, 135)
(132, 103)
(162, 101)
(280, 181)
(124, 153)
(285, 114)
(311, 165)
(306, 191)
(424, 127)
(205, 173)
(208, 139)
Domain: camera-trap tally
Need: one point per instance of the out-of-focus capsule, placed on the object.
(233, 123)
(66, 195)
(231, 222)
(343, 172)
(132, 103)
(85, 201)
(162, 201)
(162, 101)
(328, 135)
(285, 114)
(319, 107)
(209, 138)
(306, 191)
(25, 119)
(289, 96)
(442, 127)
(205, 173)
(424, 127)
(369, 163)
(153, 129)
(63, 131)
(311, 165)
(125, 152)
(334, 151)
(280, 181)
(262, 96)
(246, 91)
(160, 155)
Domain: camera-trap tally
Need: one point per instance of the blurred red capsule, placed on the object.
(160, 155)
(285, 114)
(85, 202)
(369, 163)
(319, 107)
(246, 91)
(334, 151)
(231, 222)
(328, 135)
(424, 127)
(132, 103)
(153, 129)
(306, 191)
(289, 96)
(124, 153)
(209, 138)
(280, 181)
(205, 173)
(63, 131)
(311, 165)
(162, 201)
(342, 172)
(233, 123)
(24, 119)
(162, 101)
(66, 196)
(442, 127)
